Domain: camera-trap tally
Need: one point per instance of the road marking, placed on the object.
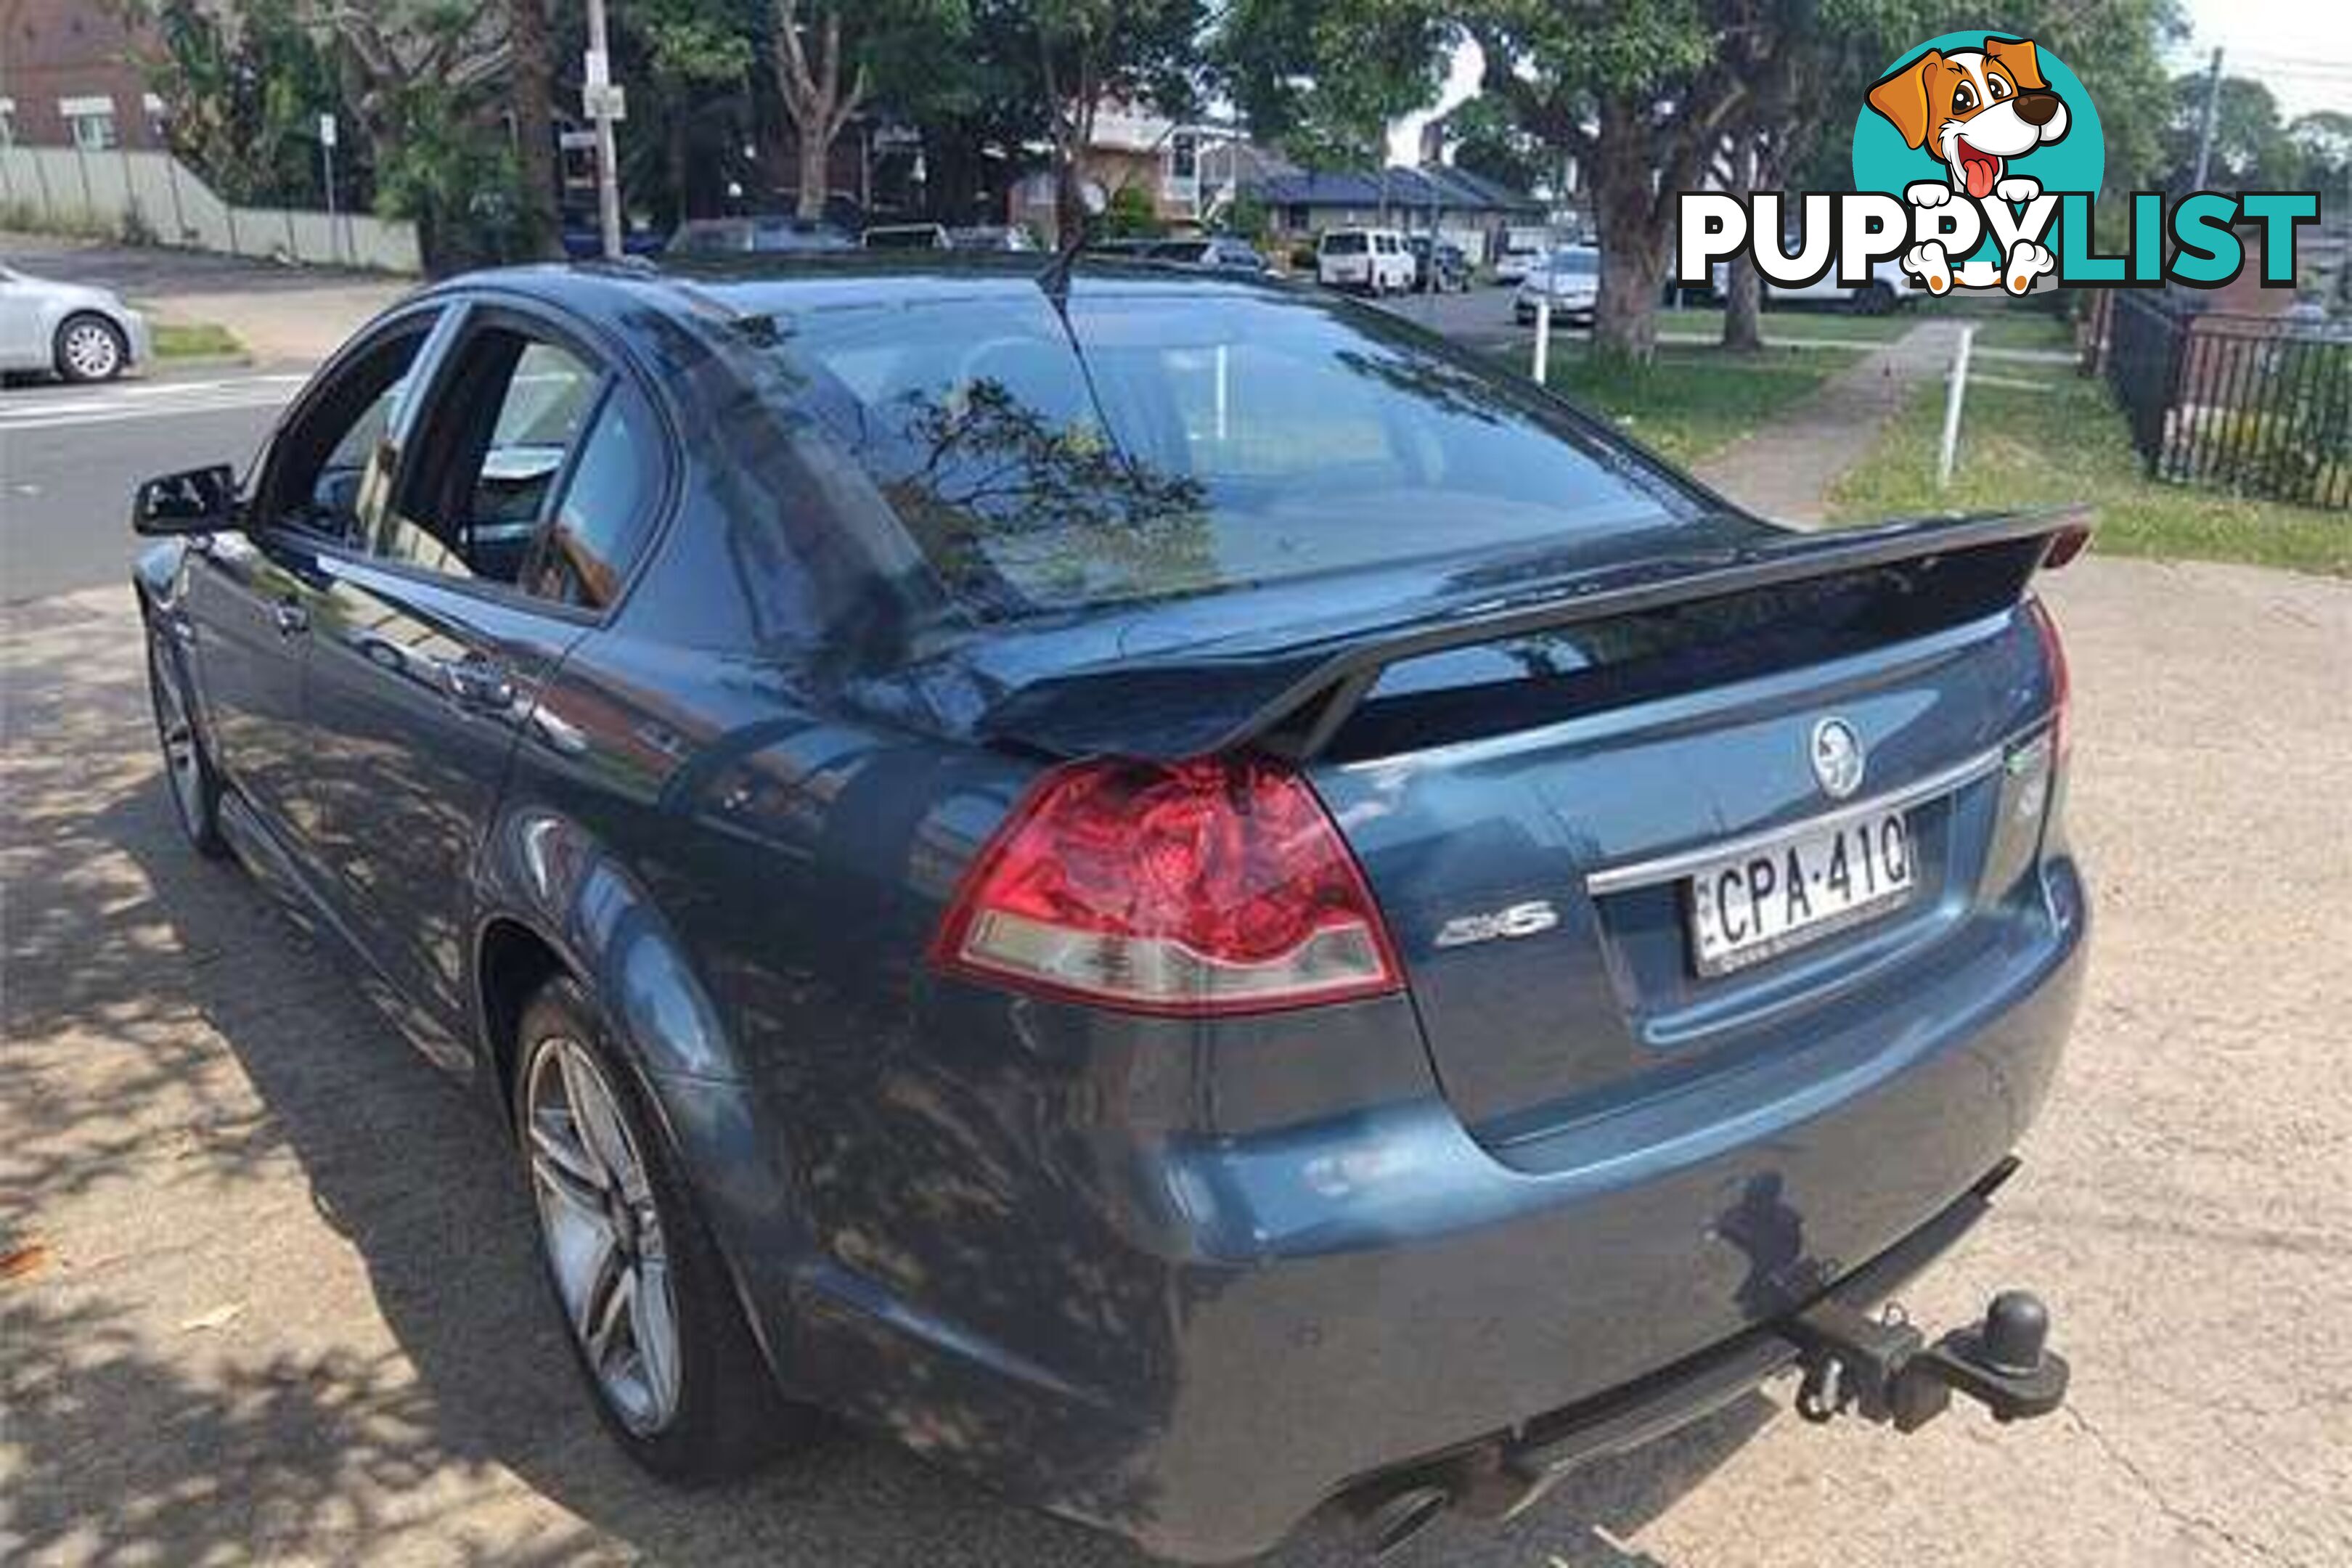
(148, 400)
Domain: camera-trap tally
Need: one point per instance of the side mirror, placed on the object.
(198, 500)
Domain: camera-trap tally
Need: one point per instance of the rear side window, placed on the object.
(600, 525)
(1135, 451)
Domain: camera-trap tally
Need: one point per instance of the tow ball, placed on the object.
(1882, 1368)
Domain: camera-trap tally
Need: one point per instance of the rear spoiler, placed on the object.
(1291, 701)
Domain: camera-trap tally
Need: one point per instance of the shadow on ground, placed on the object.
(187, 1071)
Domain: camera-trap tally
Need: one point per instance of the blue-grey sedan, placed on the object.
(1188, 899)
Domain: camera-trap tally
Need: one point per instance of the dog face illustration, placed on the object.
(1974, 109)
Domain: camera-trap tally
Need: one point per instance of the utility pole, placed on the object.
(603, 106)
(2213, 107)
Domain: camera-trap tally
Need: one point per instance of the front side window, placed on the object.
(331, 466)
(1135, 450)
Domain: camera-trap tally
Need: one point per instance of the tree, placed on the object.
(1488, 143)
(532, 96)
(695, 59)
(1326, 80)
(809, 79)
(244, 85)
(2251, 150)
(425, 79)
(1092, 50)
(1639, 93)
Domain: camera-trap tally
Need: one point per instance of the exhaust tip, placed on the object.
(1401, 1516)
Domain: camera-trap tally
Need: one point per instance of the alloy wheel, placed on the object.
(601, 1231)
(91, 351)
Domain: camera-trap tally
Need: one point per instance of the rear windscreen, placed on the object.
(1343, 245)
(1146, 445)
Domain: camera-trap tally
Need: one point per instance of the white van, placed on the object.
(1375, 261)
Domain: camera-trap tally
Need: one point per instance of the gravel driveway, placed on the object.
(271, 1291)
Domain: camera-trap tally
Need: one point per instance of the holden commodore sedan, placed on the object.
(1158, 884)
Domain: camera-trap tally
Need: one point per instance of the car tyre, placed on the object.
(90, 348)
(649, 1309)
(188, 774)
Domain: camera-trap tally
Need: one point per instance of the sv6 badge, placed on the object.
(1520, 920)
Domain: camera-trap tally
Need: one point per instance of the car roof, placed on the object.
(755, 283)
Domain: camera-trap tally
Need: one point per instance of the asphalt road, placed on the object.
(270, 1293)
(69, 457)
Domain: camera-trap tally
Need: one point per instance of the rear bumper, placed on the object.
(1261, 1321)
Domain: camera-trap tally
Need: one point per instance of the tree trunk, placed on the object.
(1743, 307)
(1743, 300)
(534, 124)
(1633, 251)
(814, 161)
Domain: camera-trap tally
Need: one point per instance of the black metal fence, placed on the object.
(2259, 405)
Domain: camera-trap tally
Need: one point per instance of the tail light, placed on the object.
(2062, 682)
(1218, 885)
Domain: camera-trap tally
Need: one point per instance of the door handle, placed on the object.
(291, 618)
(476, 682)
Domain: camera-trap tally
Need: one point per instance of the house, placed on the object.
(1190, 170)
(69, 77)
(1467, 209)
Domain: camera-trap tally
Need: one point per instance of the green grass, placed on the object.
(2068, 443)
(195, 339)
(2002, 323)
(1691, 402)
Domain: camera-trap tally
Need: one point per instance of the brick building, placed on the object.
(69, 77)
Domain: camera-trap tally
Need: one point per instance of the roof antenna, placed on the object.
(1055, 276)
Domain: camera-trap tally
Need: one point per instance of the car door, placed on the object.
(21, 347)
(521, 465)
(252, 595)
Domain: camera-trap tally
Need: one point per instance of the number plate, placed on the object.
(1748, 908)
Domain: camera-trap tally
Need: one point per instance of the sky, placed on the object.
(2300, 49)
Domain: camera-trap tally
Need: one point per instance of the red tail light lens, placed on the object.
(1214, 886)
(2062, 681)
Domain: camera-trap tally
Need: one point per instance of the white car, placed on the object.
(1889, 286)
(1376, 260)
(1569, 277)
(73, 330)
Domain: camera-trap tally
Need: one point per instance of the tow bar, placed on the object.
(1883, 1369)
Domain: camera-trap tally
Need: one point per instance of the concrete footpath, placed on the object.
(1786, 469)
(267, 1288)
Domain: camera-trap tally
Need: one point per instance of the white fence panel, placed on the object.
(155, 193)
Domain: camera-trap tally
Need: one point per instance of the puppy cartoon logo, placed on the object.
(1976, 111)
(1978, 163)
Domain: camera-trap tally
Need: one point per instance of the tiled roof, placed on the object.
(1452, 189)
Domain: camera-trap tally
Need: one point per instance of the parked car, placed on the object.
(1214, 253)
(1569, 277)
(1520, 249)
(1889, 288)
(767, 236)
(1370, 260)
(583, 238)
(907, 236)
(1349, 934)
(1453, 266)
(999, 236)
(68, 329)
